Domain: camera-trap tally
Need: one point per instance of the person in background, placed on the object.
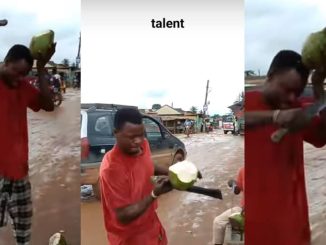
(187, 126)
(221, 221)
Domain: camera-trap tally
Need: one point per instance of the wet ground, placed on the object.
(187, 217)
(315, 165)
(54, 146)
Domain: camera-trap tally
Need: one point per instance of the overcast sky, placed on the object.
(126, 61)
(273, 25)
(27, 18)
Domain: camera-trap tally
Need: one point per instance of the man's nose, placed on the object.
(138, 140)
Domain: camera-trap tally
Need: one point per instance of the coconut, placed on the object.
(314, 50)
(41, 43)
(237, 221)
(183, 175)
(57, 239)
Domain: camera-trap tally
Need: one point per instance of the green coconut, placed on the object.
(57, 239)
(41, 43)
(237, 221)
(183, 175)
(314, 50)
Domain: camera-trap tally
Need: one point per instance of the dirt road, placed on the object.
(54, 146)
(187, 217)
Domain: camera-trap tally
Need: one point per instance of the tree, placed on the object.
(156, 107)
(216, 116)
(65, 62)
(193, 109)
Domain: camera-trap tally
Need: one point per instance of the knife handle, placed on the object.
(279, 134)
(216, 193)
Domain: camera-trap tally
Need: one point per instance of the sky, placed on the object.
(126, 61)
(28, 18)
(273, 25)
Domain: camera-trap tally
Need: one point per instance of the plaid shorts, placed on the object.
(16, 200)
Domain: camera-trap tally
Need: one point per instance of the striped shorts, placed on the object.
(16, 201)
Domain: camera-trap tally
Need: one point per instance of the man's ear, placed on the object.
(115, 131)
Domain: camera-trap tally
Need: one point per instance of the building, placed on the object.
(174, 118)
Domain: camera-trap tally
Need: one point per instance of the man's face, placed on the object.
(283, 89)
(130, 138)
(15, 71)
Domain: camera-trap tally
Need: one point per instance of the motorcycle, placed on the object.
(56, 96)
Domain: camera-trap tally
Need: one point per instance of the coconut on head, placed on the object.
(314, 50)
(41, 43)
(183, 175)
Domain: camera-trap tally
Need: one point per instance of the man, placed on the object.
(187, 126)
(56, 79)
(221, 221)
(16, 95)
(276, 201)
(127, 194)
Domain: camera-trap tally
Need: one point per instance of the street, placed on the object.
(187, 217)
(54, 159)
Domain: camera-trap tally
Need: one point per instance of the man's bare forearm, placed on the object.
(128, 214)
(258, 118)
(46, 97)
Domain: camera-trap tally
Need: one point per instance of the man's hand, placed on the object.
(317, 79)
(293, 119)
(44, 59)
(162, 185)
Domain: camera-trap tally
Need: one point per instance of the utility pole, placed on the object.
(78, 53)
(205, 104)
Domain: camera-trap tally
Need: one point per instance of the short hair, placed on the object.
(125, 115)
(286, 60)
(19, 52)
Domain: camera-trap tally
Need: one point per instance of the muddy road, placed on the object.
(54, 159)
(187, 217)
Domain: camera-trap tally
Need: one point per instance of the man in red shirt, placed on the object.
(16, 95)
(276, 201)
(127, 193)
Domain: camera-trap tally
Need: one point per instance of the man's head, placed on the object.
(129, 130)
(286, 79)
(17, 64)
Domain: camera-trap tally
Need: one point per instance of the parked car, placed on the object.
(97, 138)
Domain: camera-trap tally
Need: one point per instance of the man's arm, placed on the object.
(45, 94)
(258, 118)
(315, 134)
(131, 212)
(46, 101)
(127, 214)
(293, 119)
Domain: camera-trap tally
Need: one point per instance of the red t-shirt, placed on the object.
(276, 201)
(126, 180)
(13, 128)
